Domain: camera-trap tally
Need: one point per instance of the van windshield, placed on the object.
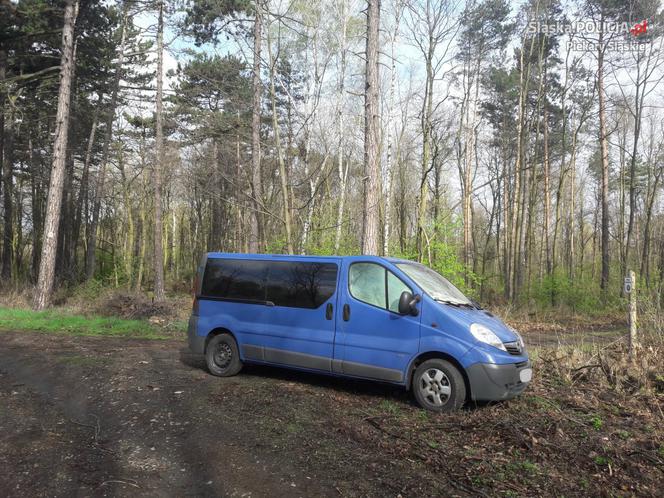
(434, 284)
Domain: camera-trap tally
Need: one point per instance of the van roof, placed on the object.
(297, 257)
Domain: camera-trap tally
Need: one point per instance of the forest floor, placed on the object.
(96, 416)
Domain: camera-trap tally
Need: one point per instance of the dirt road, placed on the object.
(117, 417)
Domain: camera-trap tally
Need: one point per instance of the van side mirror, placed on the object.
(407, 304)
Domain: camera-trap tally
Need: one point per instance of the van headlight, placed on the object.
(486, 335)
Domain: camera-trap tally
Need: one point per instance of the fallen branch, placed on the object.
(594, 365)
(118, 481)
(380, 428)
(95, 427)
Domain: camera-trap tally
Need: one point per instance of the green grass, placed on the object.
(597, 422)
(58, 322)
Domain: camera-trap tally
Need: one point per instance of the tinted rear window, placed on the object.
(301, 285)
(235, 279)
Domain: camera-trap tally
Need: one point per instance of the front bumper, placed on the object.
(196, 342)
(492, 382)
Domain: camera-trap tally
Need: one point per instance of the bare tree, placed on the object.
(398, 11)
(604, 145)
(283, 175)
(255, 240)
(430, 24)
(342, 167)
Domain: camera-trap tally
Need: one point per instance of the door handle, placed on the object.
(346, 312)
(328, 311)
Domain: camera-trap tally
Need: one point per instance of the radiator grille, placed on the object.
(513, 348)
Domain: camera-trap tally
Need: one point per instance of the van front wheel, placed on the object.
(222, 356)
(438, 386)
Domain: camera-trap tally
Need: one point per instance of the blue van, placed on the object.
(368, 317)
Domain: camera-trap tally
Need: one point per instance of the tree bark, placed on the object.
(6, 168)
(159, 294)
(632, 165)
(650, 201)
(603, 140)
(8, 204)
(256, 237)
(370, 233)
(342, 170)
(390, 125)
(547, 188)
(46, 280)
(425, 168)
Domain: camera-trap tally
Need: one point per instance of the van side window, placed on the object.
(301, 285)
(235, 279)
(395, 287)
(375, 285)
(367, 283)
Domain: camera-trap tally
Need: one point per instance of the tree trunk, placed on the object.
(470, 159)
(370, 233)
(399, 5)
(129, 213)
(638, 103)
(238, 195)
(256, 237)
(603, 140)
(547, 188)
(342, 170)
(143, 250)
(82, 207)
(390, 125)
(650, 201)
(8, 193)
(46, 278)
(427, 106)
(159, 294)
(280, 155)
(312, 89)
(512, 252)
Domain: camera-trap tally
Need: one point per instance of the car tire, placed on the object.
(439, 386)
(223, 356)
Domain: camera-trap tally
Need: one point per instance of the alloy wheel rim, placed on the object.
(435, 387)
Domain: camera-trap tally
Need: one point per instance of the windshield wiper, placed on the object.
(453, 303)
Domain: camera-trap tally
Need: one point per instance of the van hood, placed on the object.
(467, 316)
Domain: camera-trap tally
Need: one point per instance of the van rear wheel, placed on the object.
(439, 386)
(222, 356)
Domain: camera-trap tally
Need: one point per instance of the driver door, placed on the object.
(373, 340)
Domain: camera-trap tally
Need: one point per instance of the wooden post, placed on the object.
(633, 339)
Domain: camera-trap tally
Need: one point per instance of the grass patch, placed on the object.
(390, 407)
(597, 422)
(57, 322)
